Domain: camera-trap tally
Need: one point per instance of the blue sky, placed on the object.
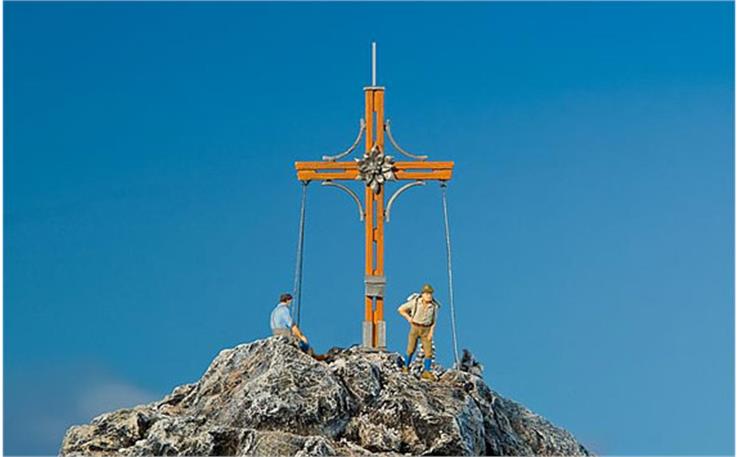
(151, 204)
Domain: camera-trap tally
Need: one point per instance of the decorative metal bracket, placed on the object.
(350, 192)
(394, 143)
(397, 194)
(362, 127)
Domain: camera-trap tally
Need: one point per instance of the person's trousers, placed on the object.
(286, 332)
(418, 331)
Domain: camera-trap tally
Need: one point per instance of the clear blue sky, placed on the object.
(151, 203)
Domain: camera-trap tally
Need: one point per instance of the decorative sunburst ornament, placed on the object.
(375, 168)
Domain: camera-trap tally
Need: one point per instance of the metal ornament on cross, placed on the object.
(374, 169)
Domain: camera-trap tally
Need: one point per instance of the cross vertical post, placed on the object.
(374, 327)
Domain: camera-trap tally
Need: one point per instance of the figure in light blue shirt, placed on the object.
(282, 323)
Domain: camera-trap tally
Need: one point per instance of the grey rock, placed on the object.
(269, 398)
(269, 385)
(470, 364)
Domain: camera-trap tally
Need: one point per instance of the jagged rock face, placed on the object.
(269, 398)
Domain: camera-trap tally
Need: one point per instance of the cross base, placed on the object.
(367, 330)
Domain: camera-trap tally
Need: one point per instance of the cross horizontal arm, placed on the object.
(309, 171)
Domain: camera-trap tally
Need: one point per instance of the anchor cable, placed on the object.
(444, 185)
(297, 289)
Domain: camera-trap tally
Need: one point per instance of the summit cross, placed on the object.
(374, 169)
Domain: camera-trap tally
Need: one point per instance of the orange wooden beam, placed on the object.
(312, 175)
(326, 165)
(414, 165)
(421, 165)
(441, 175)
(309, 171)
(369, 208)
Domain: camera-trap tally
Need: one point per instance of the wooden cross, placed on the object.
(374, 169)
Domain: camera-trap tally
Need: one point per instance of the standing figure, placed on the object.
(282, 324)
(420, 310)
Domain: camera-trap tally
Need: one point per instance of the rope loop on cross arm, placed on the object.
(444, 186)
(297, 288)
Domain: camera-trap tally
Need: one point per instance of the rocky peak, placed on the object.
(269, 398)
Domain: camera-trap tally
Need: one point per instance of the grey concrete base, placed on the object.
(366, 334)
(382, 335)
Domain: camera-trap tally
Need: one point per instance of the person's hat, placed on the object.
(426, 288)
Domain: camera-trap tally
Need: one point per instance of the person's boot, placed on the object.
(428, 376)
(406, 365)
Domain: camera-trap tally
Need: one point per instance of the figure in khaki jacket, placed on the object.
(420, 310)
